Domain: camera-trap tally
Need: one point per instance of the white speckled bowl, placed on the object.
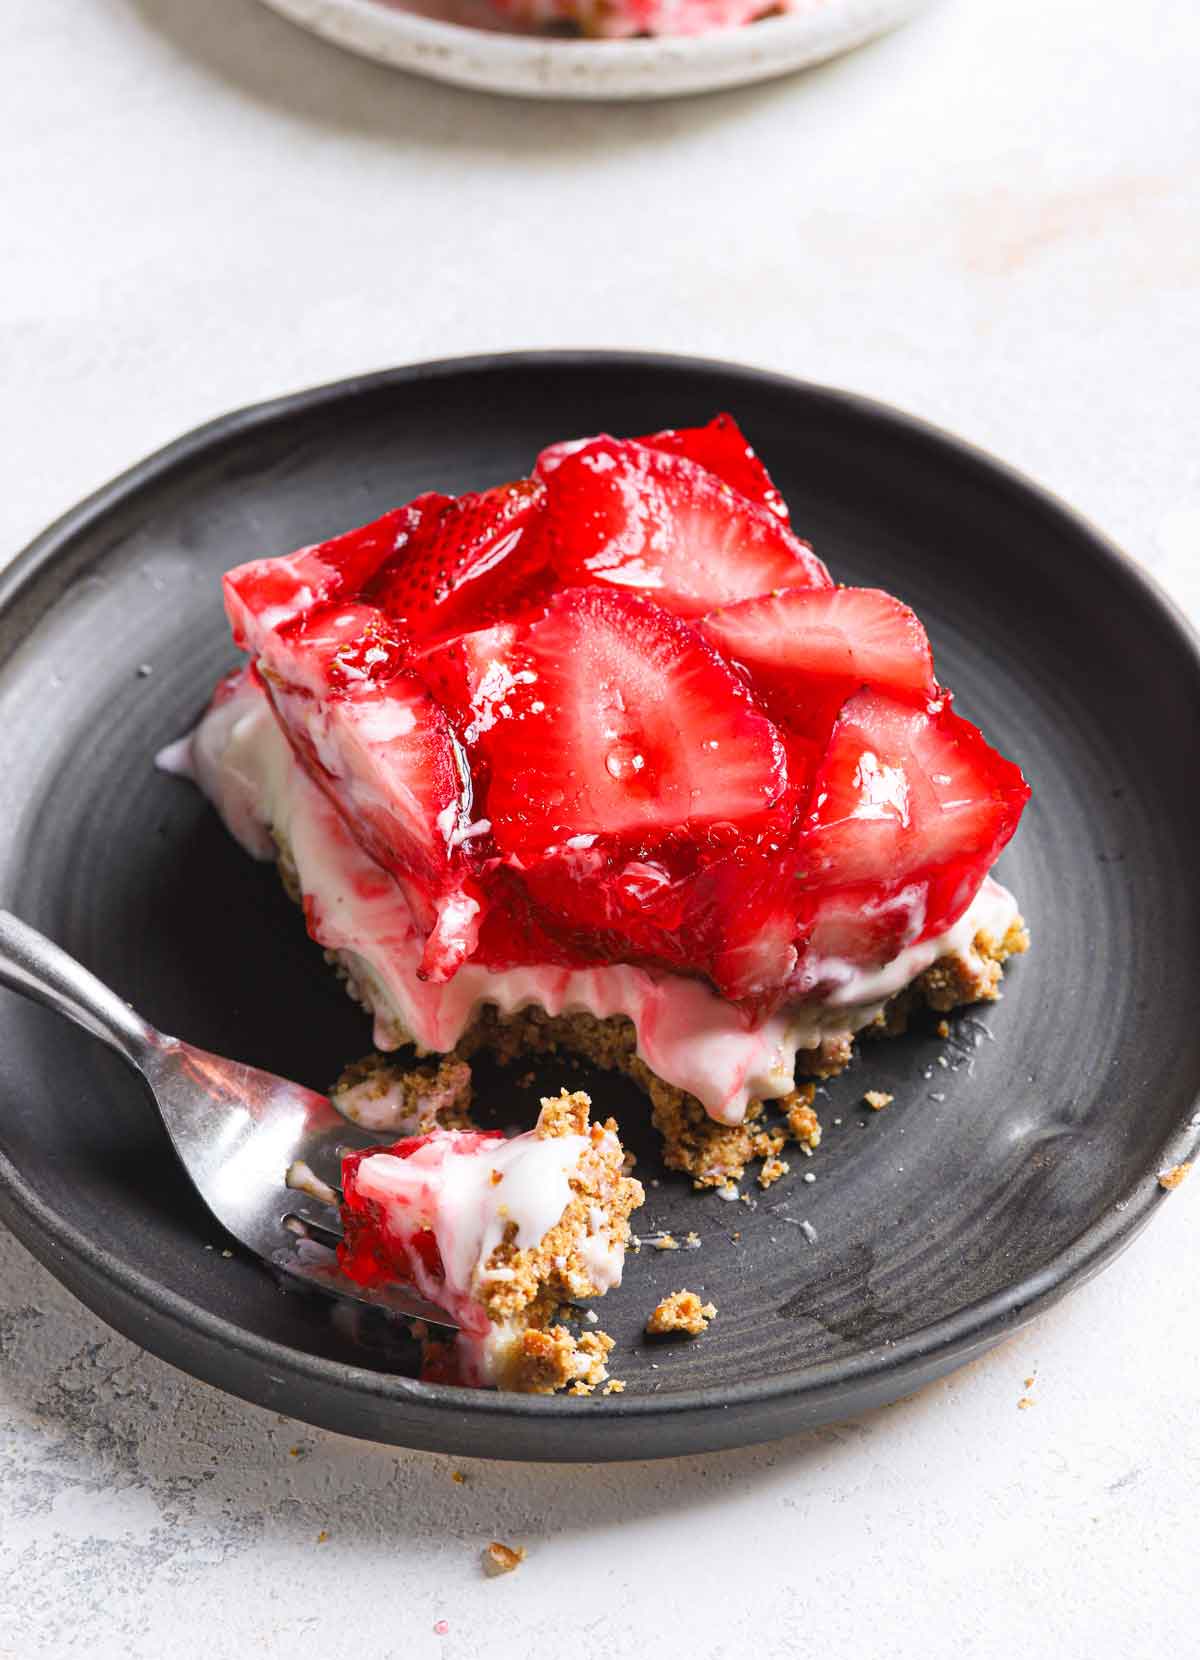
(462, 42)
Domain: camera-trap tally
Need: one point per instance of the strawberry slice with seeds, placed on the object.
(269, 594)
(808, 650)
(463, 560)
(904, 790)
(371, 735)
(626, 516)
(607, 716)
(724, 449)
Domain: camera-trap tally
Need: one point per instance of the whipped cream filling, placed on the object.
(686, 1033)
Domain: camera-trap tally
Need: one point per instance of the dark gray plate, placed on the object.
(988, 1189)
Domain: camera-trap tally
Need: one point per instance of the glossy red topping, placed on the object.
(606, 716)
(463, 558)
(630, 516)
(619, 713)
(807, 651)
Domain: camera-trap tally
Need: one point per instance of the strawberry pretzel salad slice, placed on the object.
(503, 1233)
(602, 761)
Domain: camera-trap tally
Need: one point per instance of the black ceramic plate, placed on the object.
(992, 1184)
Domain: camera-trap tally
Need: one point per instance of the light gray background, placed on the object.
(988, 218)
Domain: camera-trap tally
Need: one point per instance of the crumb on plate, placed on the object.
(683, 1312)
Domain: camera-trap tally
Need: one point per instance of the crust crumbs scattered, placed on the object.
(772, 1170)
(614, 1386)
(803, 1124)
(877, 1099)
(1024, 1403)
(502, 1559)
(401, 1098)
(682, 1311)
(545, 1360)
(1170, 1179)
(943, 1028)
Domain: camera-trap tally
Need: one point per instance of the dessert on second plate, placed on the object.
(621, 19)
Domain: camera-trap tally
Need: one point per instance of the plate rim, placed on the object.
(960, 1333)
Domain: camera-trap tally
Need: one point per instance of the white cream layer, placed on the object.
(686, 1034)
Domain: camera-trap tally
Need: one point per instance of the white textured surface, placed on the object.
(988, 217)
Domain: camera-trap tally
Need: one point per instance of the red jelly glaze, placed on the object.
(691, 752)
(383, 1245)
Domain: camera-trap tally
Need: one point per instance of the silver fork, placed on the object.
(238, 1131)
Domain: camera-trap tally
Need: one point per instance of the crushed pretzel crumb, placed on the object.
(803, 1124)
(877, 1099)
(501, 1559)
(1170, 1179)
(682, 1311)
(458, 1477)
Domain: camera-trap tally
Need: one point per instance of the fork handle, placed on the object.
(37, 968)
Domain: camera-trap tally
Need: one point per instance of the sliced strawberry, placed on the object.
(606, 716)
(721, 447)
(472, 676)
(268, 594)
(808, 650)
(460, 562)
(724, 449)
(630, 517)
(383, 751)
(905, 790)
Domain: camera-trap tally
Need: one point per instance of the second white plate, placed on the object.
(464, 42)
